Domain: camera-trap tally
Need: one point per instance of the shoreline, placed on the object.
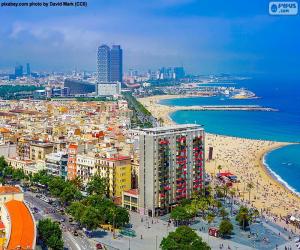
(275, 176)
(243, 157)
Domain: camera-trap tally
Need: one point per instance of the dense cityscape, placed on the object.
(87, 165)
(145, 158)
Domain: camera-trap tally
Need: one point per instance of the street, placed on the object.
(70, 241)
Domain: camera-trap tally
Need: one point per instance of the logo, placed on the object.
(283, 8)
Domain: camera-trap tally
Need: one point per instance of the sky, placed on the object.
(204, 36)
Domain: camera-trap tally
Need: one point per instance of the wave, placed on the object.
(278, 177)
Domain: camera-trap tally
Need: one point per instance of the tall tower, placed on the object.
(103, 64)
(116, 63)
(28, 72)
(171, 166)
(18, 70)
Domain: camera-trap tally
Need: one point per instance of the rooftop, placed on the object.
(172, 128)
(132, 191)
(22, 226)
(9, 189)
(119, 158)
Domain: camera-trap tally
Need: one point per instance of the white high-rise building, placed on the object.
(171, 166)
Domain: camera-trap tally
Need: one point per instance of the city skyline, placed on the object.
(229, 38)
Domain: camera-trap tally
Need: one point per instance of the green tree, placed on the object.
(250, 186)
(42, 177)
(219, 192)
(232, 194)
(3, 163)
(76, 209)
(50, 233)
(179, 214)
(183, 238)
(18, 174)
(122, 217)
(91, 218)
(223, 213)
(69, 194)
(56, 186)
(202, 205)
(210, 218)
(225, 228)
(77, 182)
(243, 217)
(225, 189)
(219, 168)
(97, 185)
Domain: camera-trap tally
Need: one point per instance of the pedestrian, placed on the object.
(141, 236)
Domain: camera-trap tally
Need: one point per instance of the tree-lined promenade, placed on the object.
(90, 210)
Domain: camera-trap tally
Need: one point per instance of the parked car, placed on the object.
(99, 246)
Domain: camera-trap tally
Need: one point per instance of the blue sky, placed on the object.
(204, 36)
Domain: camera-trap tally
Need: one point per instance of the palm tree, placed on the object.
(210, 218)
(244, 217)
(113, 213)
(191, 210)
(201, 204)
(249, 187)
(225, 190)
(219, 168)
(232, 194)
(161, 121)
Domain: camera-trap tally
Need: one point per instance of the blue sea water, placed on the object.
(283, 125)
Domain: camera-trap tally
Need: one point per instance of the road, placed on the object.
(70, 241)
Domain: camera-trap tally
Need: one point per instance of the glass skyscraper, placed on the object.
(110, 64)
(116, 65)
(103, 65)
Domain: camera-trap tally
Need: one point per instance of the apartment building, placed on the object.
(57, 164)
(85, 167)
(23, 148)
(38, 150)
(117, 170)
(171, 166)
(72, 153)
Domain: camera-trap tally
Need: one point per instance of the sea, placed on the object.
(283, 125)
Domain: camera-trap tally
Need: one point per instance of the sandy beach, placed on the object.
(244, 158)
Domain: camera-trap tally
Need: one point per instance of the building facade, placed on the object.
(108, 89)
(117, 171)
(103, 64)
(109, 70)
(85, 167)
(116, 63)
(57, 164)
(72, 153)
(38, 150)
(171, 166)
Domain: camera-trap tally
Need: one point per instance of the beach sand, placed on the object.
(244, 158)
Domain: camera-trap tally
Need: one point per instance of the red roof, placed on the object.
(132, 191)
(22, 226)
(226, 174)
(119, 158)
(73, 146)
(9, 189)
